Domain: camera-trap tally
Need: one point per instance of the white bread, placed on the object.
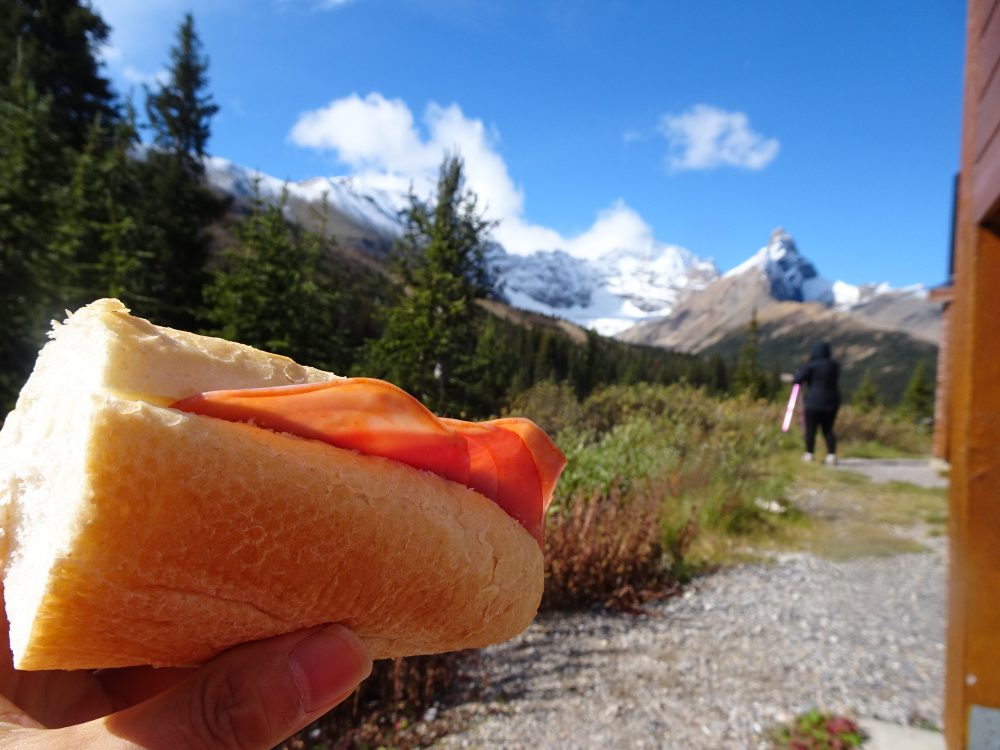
(138, 534)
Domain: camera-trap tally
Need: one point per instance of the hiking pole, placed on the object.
(791, 408)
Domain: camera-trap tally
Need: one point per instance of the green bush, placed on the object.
(884, 428)
(606, 550)
(650, 469)
(552, 406)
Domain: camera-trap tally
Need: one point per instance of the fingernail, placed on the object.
(328, 665)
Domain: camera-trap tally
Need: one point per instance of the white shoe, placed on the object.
(831, 459)
(807, 457)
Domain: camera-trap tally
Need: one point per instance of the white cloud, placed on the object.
(706, 137)
(379, 135)
(331, 4)
(380, 140)
(616, 226)
(373, 133)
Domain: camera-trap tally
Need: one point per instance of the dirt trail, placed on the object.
(920, 472)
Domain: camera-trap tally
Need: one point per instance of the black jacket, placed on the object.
(822, 374)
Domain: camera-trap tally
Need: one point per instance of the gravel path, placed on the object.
(715, 668)
(915, 471)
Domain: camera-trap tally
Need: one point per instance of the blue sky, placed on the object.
(701, 123)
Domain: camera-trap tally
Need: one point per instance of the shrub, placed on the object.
(551, 406)
(635, 451)
(650, 470)
(615, 404)
(882, 427)
(605, 549)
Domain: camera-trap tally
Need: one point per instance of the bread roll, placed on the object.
(138, 534)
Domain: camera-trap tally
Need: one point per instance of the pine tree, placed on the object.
(429, 341)
(272, 292)
(32, 162)
(918, 398)
(773, 382)
(100, 233)
(179, 207)
(867, 397)
(718, 375)
(583, 365)
(748, 376)
(57, 41)
(181, 110)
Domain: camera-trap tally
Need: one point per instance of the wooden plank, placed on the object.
(986, 181)
(981, 476)
(990, 12)
(969, 647)
(988, 65)
(988, 114)
(973, 662)
(989, 47)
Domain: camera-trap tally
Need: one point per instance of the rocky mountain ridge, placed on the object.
(778, 273)
(657, 294)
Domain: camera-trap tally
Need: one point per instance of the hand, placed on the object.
(252, 696)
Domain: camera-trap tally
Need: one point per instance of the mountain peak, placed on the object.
(791, 276)
(779, 235)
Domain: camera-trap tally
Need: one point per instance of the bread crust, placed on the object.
(194, 534)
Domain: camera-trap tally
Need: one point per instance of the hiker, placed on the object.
(821, 376)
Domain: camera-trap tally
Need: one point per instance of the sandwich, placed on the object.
(165, 495)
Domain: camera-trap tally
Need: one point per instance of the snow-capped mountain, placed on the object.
(652, 293)
(373, 203)
(791, 277)
(767, 284)
(618, 289)
(613, 291)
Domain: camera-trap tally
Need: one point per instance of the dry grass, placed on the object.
(606, 550)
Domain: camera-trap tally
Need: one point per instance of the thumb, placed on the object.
(252, 696)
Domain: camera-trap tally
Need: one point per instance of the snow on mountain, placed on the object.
(792, 277)
(768, 284)
(546, 280)
(618, 289)
(608, 291)
(373, 201)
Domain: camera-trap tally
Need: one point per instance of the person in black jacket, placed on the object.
(821, 375)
